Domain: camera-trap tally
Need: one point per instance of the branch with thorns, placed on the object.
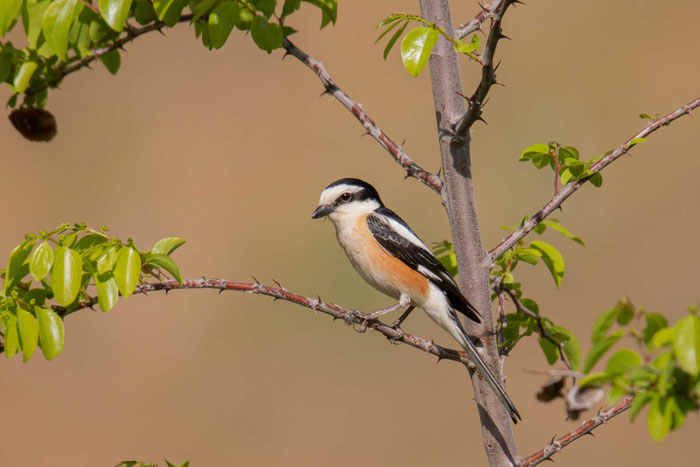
(556, 202)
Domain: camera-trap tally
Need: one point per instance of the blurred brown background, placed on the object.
(230, 150)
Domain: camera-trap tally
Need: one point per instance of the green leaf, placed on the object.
(107, 290)
(529, 255)
(41, 261)
(552, 258)
(686, 344)
(641, 399)
(172, 16)
(267, 36)
(107, 261)
(393, 39)
(416, 48)
(572, 348)
(58, 19)
(468, 48)
(450, 263)
(566, 176)
(163, 262)
(9, 10)
(534, 151)
(112, 61)
(655, 322)
(647, 116)
(563, 230)
(33, 19)
(89, 241)
(161, 7)
(593, 379)
(66, 275)
(550, 350)
(115, 12)
(221, 22)
(290, 6)
(386, 30)
(127, 270)
(663, 337)
(625, 312)
(266, 7)
(51, 334)
(530, 305)
(636, 141)
(658, 422)
(11, 336)
(603, 324)
(16, 267)
(623, 360)
(23, 75)
(144, 12)
(599, 349)
(28, 332)
(596, 179)
(616, 394)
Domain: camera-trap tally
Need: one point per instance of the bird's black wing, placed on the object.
(406, 246)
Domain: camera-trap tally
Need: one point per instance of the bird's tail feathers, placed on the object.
(481, 366)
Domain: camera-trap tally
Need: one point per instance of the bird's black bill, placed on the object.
(322, 211)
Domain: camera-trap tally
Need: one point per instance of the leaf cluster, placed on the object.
(61, 33)
(52, 274)
(418, 43)
(664, 373)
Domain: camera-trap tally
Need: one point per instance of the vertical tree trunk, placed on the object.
(472, 258)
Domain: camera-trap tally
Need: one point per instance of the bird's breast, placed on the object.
(380, 269)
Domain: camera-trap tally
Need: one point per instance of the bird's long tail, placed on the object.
(481, 366)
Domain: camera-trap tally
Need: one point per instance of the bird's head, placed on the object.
(346, 199)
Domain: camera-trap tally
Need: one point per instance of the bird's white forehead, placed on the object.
(329, 195)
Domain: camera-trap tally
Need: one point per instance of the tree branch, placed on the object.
(351, 317)
(396, 150)
(571, 187)
(585, 428)
(475, 24)
(477, 100)
(473, 261)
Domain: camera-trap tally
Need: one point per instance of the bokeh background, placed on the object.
(230, 149)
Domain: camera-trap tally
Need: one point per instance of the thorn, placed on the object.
(160, 30)
(515, 2)
(121, 47)
(480, 118)
(497, 65)
(325, 91)
(590, 433)
(257, 282)
(278, 285)
(220, 291)
(366, 133)
(503, 36)
(498, 83)
(286, 53)
(274, 299)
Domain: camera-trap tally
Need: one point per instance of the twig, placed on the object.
(585, 428)
(352, 317)
(571, 187)
(543, 332)
(475, 24)
(396, 150)
(488, 72)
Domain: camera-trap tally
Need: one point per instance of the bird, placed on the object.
(388, 255)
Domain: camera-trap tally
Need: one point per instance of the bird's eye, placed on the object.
(345, 197)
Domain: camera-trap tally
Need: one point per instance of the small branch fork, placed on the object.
(396, 150)
(500, 293)
(475, 24)
(351, 317)
(476, 102)
(571, 187)
(556, 445)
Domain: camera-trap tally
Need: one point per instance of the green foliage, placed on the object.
(61, 32)
(144, 464)
(662, 374)
(43, 283)
(565, 162)
(419, 42)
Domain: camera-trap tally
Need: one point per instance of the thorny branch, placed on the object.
(475, 24)
(351, 317)
(556, 445)
(476, 102)
(571, 187)
(396, 150)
